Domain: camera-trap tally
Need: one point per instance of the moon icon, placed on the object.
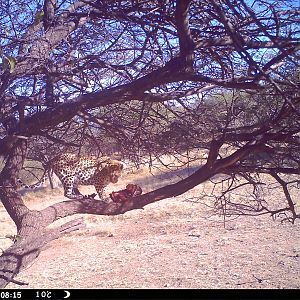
(68, 294)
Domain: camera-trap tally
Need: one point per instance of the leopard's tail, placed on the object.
(37, 184)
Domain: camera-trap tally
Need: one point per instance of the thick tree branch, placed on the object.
(186, 42)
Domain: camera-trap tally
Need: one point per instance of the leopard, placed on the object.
(73, 170)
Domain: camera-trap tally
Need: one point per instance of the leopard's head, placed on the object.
(114, 168)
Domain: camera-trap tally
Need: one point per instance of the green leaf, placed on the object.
(38, 17)
(12, 63)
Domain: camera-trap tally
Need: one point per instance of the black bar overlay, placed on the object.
(147, 294)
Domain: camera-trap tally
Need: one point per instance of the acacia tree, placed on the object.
(163, 77)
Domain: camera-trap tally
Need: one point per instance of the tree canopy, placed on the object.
(149, 78)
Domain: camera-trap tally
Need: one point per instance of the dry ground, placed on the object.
(170, 244)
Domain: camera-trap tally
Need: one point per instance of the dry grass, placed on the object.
(169, 244)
